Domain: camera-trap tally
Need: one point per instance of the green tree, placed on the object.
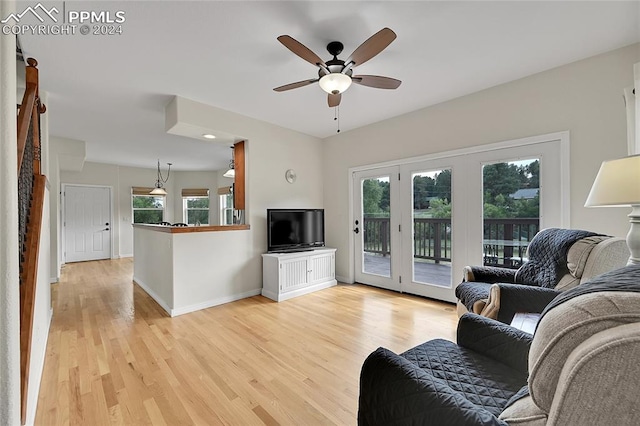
(501, 178)
(371, 196)
(423, 188)
(442, 187)
(440, 208)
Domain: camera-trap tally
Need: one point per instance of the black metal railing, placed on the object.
(25, 192)
(505, 245)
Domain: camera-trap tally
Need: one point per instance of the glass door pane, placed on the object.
(431, 217)
(511, 211)
(376, 214)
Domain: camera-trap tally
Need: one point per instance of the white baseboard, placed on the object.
(53, 280)
(344, 280)
(36, 376)
(124, 256)
(195, 307)
(153, 295)
(213, 302)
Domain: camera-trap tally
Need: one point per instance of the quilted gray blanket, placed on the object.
(548, 256)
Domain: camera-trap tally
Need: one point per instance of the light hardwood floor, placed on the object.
(114, 357)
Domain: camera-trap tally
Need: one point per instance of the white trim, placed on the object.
(195, 307)
(53, 280)
(37, 376)
(124, 256)
(214, 302)
(153, 294)
(563, 137)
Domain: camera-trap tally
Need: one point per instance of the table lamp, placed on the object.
(618, 185)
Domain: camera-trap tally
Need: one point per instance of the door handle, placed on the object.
(105, 229)
(357, 230)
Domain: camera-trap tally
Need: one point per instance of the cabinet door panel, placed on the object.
(293, 274)
(322, 268)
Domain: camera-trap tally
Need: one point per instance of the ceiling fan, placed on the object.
(335, 76)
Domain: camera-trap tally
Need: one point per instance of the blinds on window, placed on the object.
(224, 190)
(195, 192)
(140, 190)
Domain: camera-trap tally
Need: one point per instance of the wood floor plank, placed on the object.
(115, 358)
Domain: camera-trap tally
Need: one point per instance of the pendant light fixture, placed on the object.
(160, 181)
(231, 173)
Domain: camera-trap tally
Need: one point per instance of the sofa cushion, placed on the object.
(577, 257)
(483, 381)
(606, 301)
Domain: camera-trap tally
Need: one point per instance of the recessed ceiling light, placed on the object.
(208, 136)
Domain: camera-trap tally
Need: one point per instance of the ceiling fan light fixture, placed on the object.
(335, 83)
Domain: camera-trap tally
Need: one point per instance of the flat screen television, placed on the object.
(294, 229)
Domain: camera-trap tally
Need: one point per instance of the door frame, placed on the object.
(563, 138)
(61, 226)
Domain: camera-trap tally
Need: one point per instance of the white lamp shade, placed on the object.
(617, 184)
(335, 83)
(231, 173)
(158, 191)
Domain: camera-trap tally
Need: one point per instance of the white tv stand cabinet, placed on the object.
(287, 275)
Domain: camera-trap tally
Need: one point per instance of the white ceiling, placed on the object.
(110, 91)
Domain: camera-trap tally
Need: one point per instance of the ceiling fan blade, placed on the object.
(334, 100)
(300, 49)
(376, 81)
(372, 46)
(295, 85)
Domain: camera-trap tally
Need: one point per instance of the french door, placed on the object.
(417, 224)
(87, 223)
(375, 225)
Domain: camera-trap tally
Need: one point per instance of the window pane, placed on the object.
(198, 203)
(511, 210)
(147, 216)
(376, 231)
(432, 227)
(195, 216)
(147, 202)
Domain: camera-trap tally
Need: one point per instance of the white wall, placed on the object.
(9, 270)
(585, 98)
(41, 315)
(64, 154)
(270, 151)
(121, 179)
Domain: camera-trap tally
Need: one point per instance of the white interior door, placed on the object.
(87, 223)
(376, 227)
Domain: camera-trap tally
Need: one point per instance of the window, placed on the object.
(195, 206)
(146, 208)
(225, 196)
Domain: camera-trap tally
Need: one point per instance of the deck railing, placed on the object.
(432, 239)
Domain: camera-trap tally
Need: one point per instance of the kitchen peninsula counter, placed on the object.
(188, 268)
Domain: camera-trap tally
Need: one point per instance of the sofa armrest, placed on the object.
(489, 274)
(394, 391)
(507, 299)
(494, 339)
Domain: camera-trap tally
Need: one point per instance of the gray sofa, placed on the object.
(580, 367)
(559, 260)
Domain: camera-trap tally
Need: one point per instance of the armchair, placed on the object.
(559, 259)
(581, 364)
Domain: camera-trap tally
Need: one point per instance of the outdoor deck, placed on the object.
(425, 272)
